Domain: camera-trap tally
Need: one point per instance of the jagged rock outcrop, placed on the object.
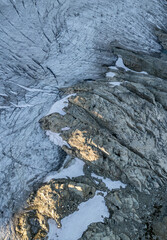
(162, 37)
(133, 215)
(119, 130)
(118, 127)
(45, 45)
(53, 200)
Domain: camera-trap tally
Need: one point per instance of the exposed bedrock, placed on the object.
(133, 215)
(55, 200)
(45, 45)
(118, 127)
(119, 130)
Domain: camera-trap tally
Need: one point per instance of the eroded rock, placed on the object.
(53, 200)
(118, 127)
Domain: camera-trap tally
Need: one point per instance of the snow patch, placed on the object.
(120, 64)
(13, 92)
(74, 170)
(115, 83)
(113, 68)
(3, 95)
(109, 183)
(73, 226)
(4, 107)
(59, 105)
(94, 210)
(144, 72)
(65, 129)
(56, 138)
(110, 74)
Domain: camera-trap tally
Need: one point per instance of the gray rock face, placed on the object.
(162, 36)
(50, 44)
(55, 200)
(118, 127)
(133, 215)
(124, 128)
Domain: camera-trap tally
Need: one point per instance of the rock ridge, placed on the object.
(118, 127)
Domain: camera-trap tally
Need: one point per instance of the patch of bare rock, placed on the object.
(118, 127)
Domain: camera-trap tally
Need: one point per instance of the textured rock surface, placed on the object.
(118, 127)
(133, 215)
(48, 44)
(119, 130)
(54, 200)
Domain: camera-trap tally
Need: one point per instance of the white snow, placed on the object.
(94, 210)
(120, 64)
(144, 72)
(110, 74)
(4, 107)
(73, 226)
(59, 105)
(3, 95)
(65, 129)
(109, 183)
(115, 83)
(56, 138)
(13, 92)
(74, 170)
(113, 68)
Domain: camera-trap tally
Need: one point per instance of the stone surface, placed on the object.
(133, 215)
(54, 200)
(120, 131)
(118, 127)
(46, 45)
(162, 37)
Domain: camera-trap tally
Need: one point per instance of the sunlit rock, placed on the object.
(53, 200)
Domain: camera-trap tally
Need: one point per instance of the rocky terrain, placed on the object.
(118, 127)
(116, 124)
